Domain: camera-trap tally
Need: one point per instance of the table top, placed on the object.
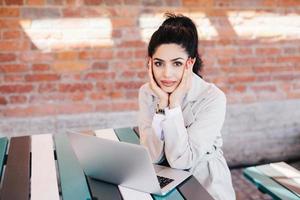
(45, 167)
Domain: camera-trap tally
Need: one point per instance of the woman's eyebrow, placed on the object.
(171, 60)
(177, 59)
(158, 59)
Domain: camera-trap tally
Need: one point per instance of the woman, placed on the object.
(180, 114)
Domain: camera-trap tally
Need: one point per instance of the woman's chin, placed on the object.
(168, 89)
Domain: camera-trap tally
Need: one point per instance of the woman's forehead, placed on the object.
(170, 52)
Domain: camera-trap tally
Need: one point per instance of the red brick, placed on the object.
(3, 100)
(293, 95)
(267, 51)
(113, 2)
(288, 3)
(131, 94)
(241, 79)
(124, 106)
(75, 108)
(93, 2)
(12, 45)
(76, 97)
(123, 22)
(75, 87)
(288, 59)
(245, 51)
(99, 75)
(239, 88)
(14, 78)
(37, 13)
(103, 107)
(17, 99)
(55, 2)
(283, 77)
(133, 44)
(103, 86)
(67, 55)
(47, 87)
(97, 96)
(142, 74)
(9, 23)
(124, 54)
(128, 85)
(37, 110)
(13, 68)
(263, 88)
(35, 2)
(9, 12)
(140, 54)
(40, 67)
(42, 77)
(96, 54)
(116, 94)
(16, 88)
(100, 65)
(11, 34)
(14, 2)
(128, 74)
(82, 12)
(7, 57)
(35, 56)
(69, 66)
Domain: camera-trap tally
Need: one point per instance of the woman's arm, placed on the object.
(183, 146)
(149, 127)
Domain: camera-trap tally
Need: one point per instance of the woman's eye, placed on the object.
(157, 64)
(177, 64)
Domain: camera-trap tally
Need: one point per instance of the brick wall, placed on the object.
(62, 61)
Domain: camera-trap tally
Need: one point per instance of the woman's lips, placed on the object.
(168, 83)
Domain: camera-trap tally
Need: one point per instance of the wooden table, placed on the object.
(279, 180)
(45, 167)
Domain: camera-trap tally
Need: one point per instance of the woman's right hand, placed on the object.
(162, 95)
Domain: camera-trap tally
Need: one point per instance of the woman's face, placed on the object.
(169, 61)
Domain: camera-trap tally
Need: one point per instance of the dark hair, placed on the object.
(180, 30)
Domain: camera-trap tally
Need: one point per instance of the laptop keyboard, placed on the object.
(163, 181)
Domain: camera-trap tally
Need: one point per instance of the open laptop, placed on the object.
(124, 164)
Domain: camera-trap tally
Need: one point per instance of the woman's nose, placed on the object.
(167, 71)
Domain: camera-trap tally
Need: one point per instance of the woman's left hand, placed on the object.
(178, 94)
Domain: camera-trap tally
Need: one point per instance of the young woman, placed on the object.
(180, 114)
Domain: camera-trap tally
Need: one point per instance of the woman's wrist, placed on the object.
(162, 104)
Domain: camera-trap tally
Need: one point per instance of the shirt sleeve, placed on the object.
(156, 125)
(183, 146)
(149, 128)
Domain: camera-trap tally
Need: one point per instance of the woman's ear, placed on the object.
(193, 60)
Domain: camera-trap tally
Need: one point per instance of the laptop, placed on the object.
(124, 164)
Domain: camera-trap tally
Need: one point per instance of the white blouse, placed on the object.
(189, 136)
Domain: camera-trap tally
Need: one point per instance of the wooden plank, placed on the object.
(130, 194)
(43, 171)
(73, 182)
(191, 189)
(267, 185)
(127, 135)
(107, 134)
(3, 148)
(136, 130)
(103, 190)
(15, 185)
(284, 174)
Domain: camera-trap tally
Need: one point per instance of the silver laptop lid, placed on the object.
(116, 162)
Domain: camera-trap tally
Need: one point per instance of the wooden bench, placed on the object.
(45, 167)
(279, 180)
